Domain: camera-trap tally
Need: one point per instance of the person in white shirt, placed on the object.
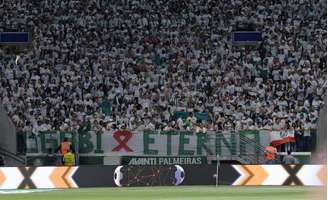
(180, 123)
(307, 135)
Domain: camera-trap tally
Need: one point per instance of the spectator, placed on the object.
(64, 147)
(307, 135)
(289, 159)
(51, 158)
(271, 155)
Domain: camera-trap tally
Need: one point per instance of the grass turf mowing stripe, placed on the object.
(178, 193)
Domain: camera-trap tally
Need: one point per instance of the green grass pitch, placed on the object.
(175, 193)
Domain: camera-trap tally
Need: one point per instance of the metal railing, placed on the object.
(258, 155)
(17, 160)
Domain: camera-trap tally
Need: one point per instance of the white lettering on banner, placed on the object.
(166, 161)
(153, 144)
(134, 143)
(143, 161)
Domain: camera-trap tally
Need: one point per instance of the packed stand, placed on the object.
(164, 65)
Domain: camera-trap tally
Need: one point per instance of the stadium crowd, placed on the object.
(164, 65)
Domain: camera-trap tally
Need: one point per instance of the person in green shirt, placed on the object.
(69, 158)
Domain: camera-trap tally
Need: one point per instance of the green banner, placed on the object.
(149, 143)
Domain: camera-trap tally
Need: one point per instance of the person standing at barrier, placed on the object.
(51, 158)
(64, 147)
(69, 158)
(271, 155)
(307, 135)
(289, 159)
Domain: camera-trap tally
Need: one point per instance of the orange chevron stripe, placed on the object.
(245, 173)
(65, 175)
(68, 176)
(322, 174)
(58, 177)
(259, 174)
(2, 178)
(250, 175)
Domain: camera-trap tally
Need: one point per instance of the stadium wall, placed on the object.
(320, 154)
(8, 132)
(160, 175)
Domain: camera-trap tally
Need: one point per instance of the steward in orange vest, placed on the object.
(65, 146)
